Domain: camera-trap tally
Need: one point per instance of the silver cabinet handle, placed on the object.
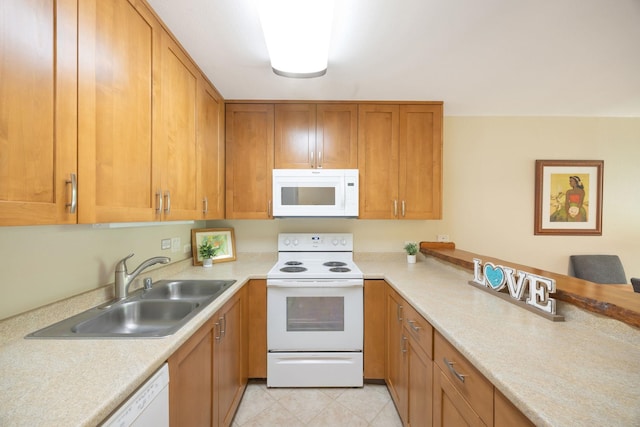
(320, 159)
(413, 325)
(313, 164)
(453, 370)
(403, 209)
(205, 206)
(216, 331)
(399, 312)
(395, 208)
(73, 205)
(159, 204)
(403, 344)
(223, 325)
(167, 208)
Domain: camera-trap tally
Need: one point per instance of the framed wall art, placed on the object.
(221, 239)
(568, 197)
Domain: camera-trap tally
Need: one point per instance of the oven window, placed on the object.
(308, 196)
(315, 314)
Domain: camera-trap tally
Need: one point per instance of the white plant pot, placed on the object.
(411, 259)
(207, 262)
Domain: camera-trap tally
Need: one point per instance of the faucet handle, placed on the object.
(122, 264)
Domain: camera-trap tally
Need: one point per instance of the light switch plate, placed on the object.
(165, 244)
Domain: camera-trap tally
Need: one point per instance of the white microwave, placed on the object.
(315, 193)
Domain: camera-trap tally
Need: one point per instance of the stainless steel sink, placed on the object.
(187, 289)
(137, 317)
(157, 312)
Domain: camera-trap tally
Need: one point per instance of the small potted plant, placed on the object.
(207, 252)
(412, 249)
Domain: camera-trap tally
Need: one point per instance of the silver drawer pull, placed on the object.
(453, 370)
(74, 193)
(413, 325)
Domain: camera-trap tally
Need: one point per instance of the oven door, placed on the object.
(315, 315)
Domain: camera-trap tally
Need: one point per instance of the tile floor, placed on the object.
(317, 407)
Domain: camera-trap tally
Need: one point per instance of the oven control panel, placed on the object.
(310, 242)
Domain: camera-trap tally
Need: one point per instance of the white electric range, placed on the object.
(315, 313)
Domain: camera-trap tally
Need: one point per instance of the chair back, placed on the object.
(635, 282)
(598, 268)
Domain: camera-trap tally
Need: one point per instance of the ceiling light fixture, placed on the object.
(297, 33)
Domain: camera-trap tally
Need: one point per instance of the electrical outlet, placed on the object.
(186, 249)
(165, 244)
(175, 245)
(443, 238)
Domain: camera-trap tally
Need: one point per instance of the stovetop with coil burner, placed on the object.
(315, 256)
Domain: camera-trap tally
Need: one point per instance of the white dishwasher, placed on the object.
(148, 406)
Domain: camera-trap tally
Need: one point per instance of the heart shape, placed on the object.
(495, 276)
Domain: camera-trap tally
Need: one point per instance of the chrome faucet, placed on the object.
(124, 279)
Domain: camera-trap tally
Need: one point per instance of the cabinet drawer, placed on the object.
(471, 384)
(419, 329)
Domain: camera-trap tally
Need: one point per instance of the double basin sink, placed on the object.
(156, 312)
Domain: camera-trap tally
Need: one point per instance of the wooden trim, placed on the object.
(607, 300)
(350, 101)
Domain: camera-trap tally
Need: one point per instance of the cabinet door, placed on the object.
(229, 379)
(210, 152)
(175, 148)
(420, 157)
(375, 296)
(190, 387)
(118, 51)
(396, 376)
(256, 321)
(295, 136)
(506, 414)
(420, 384)
(249, 160)
(337, 136)
(449, 406)
(378, 127)
(38, 111)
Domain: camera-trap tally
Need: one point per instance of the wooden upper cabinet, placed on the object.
(118, 53)
(378, 139)
(174, 137)
(210, 151)
(420, 183)
(317, 135)
(295, 136)
(249, 160)
(38, 111)
(337, 136)
(400, 161)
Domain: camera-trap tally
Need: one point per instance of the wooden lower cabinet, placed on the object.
(409, 364)
(471, 388)
(191, 380)
(506, 414)
(375, 297)
(256, 320)
(207, 373)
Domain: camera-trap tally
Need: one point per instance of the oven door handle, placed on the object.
(316, 284)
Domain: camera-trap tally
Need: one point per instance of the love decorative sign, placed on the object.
(527, 290)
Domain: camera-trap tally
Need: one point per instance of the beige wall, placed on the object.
(488, 209)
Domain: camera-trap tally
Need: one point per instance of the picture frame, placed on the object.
(568, 197)
(224, 238)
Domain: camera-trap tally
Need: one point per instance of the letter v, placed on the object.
(516, 289)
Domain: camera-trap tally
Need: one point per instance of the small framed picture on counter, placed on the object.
(221, 240)
(568, 197)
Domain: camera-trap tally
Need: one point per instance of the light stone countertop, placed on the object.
(581, 372)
